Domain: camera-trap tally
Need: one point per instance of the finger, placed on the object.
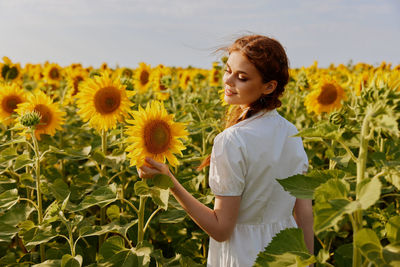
(154, 163)
(147, 172)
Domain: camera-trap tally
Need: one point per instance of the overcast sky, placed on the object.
(185, 32)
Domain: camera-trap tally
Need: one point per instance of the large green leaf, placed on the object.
(102, 196)
(100, 158)
(331, 204)
(162, 181)
(172, 216)
(70, 261)
(37, 236)
(48, 263)
(111, 227)
(17, 214)
(370, 191)
(114, 253)
(7, 232)
(303, 186)
(59, 189)
(8, 199)
(22, 161)
(160, 197)
(141, 188)
(393, 229)
(324, 130)
(370, 247)
(287, 248)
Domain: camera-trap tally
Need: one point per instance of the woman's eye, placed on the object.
(242, 78)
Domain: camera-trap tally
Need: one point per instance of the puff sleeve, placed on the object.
(228, 165)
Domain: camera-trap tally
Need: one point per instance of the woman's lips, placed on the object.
(229, 92)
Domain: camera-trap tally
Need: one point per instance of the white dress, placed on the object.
(245, 161)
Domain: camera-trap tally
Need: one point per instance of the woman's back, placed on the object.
(246, 160)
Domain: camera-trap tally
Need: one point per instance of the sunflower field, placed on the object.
(72, 137)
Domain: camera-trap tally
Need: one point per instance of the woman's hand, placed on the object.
(153, 167)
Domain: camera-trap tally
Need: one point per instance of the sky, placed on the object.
(187, 32)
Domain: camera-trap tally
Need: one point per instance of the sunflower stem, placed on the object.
(38, 192)
(361, 166)
(142, 204)
(103, 173)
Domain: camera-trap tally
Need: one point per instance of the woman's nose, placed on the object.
(228, 79)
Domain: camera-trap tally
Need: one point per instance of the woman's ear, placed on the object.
(269, 87)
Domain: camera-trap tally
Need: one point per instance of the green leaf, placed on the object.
(391, 254)
(393, 229)
(370, 191)
(331, 204)
(100, 158)
(69, 261)
(323, 130)
(59, 189)
(114, 253)
(172, 216)
(303, 186)
(113, 212)
(8, 198)
(102, 196)
(112, 246)
(287, 248)
(37, 236)
(49, 263)
(344, 255)
(141, 188)
(369, 245)
(160, 197)
(22, 161)
(7, 232)
(111, 227)
(17, 214)
(162, 181)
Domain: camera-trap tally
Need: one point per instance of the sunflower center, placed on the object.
(54, 74)
(216, 76)
(77, 80)
(328, 94)
(107, 100)
(10, 103)
(144, 77)
(157, 136)
(46, 115)
(9, 73)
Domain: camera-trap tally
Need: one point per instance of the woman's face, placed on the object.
(242, 81)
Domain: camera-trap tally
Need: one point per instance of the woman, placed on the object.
(254, 150)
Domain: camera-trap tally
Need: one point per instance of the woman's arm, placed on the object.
(217, 223)
(304, 218)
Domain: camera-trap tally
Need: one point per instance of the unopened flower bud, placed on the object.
(30, 119)
(337, 118)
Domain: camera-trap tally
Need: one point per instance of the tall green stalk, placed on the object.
(142, 204)
(38, 192)
(361, 167)
(103, 173)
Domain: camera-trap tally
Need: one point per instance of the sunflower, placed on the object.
(215, 77)
(185, 79)
(154, 134)
(51, 116)
(53, 73)
(75, 77)
(161, 80)
(103, 101)
(10, 96)
(9, 71)
(142, 76)
(325, 98)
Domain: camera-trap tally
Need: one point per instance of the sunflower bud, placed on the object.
(30, 119)
(337, 118)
